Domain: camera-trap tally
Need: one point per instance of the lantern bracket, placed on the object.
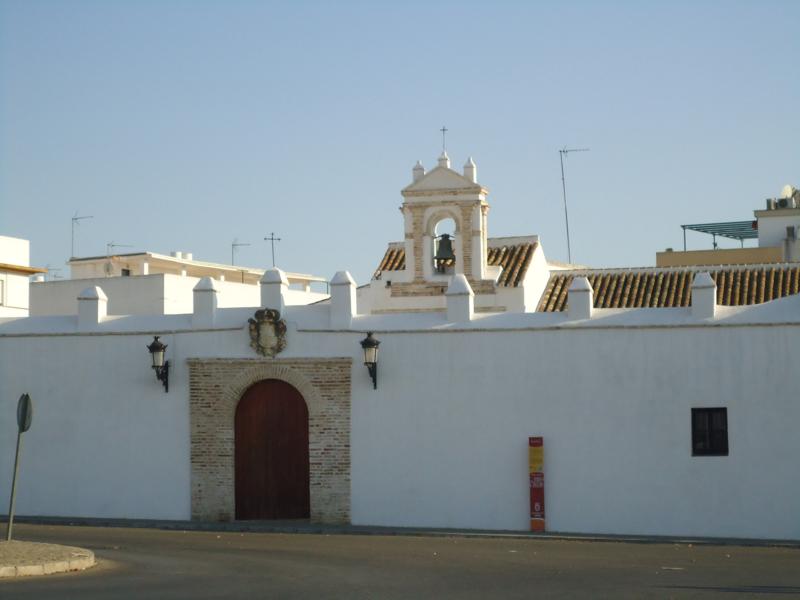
(162, 374)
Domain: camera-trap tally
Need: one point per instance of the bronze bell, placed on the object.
(444, 253)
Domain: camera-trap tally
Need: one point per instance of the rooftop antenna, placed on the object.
(444, 131)
(111, 245)
(236, 244)
(108, 267)
(562, 153)
(272, 239)
(76, 221)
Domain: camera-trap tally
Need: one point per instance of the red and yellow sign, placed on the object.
(536, 471)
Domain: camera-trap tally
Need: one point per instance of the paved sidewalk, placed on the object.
(30, 558)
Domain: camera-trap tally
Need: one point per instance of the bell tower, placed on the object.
(435, 196)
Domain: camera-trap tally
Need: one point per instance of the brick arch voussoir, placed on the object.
(239, 384)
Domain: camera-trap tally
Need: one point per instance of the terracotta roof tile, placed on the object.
(515, 260)
(393, 260)
(655, 287)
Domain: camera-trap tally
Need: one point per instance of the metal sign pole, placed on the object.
(24, 418)
(13, 489)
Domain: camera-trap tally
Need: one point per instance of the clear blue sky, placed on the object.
(184, 125)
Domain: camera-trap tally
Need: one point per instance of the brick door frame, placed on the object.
(215, 387)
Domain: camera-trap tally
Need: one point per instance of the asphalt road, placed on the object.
(146, 563)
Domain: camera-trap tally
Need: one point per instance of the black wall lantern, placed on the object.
(370, 346)
(160, 366)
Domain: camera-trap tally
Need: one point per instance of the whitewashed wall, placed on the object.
(772, 226)
(157, 294)
(140, 295)
(442, 442)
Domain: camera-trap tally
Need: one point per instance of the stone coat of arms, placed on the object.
(267, 332)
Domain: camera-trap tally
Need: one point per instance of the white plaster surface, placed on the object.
(160, 293)
(442, 442)
(772, 225)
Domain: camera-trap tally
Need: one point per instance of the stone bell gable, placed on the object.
(432, 197)
(503, 273)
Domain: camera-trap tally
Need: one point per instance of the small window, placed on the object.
(709, 432)
(126, 272)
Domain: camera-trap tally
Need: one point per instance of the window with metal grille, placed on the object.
(709, 432)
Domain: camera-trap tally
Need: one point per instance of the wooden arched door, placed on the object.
(271, 447)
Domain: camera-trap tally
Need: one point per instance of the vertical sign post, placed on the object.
(24, 418)
(536, 474)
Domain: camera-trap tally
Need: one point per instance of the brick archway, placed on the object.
(215, 387)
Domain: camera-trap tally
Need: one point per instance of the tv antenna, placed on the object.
(236, 244)
(111, 245)
(108, 267)
(562, 153)
(76, 221)
(272, 239)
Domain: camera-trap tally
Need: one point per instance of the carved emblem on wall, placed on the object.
(267, 332)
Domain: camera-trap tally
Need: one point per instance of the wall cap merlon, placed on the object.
(342, 278)
(274, 275)
(206, 284)
(93, 293)
(459, 286)
(703, 280)
(580, 284)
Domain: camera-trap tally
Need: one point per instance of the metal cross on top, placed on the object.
(272, 239)
(444, 131)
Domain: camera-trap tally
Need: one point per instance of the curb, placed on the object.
(72, 559)
(301, 528)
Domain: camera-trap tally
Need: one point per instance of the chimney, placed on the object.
(205, 303)
(704, 296)
(343, 300)
(92, 308)
(274, 285)
(470, 170)
(460, 299)
(580, 299)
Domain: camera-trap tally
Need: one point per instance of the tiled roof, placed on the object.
(393, 260)
(736, 286)
(514, 258)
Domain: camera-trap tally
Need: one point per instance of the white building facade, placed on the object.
(468, 370)
(15, 271)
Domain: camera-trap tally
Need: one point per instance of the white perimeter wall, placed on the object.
(443, 440)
